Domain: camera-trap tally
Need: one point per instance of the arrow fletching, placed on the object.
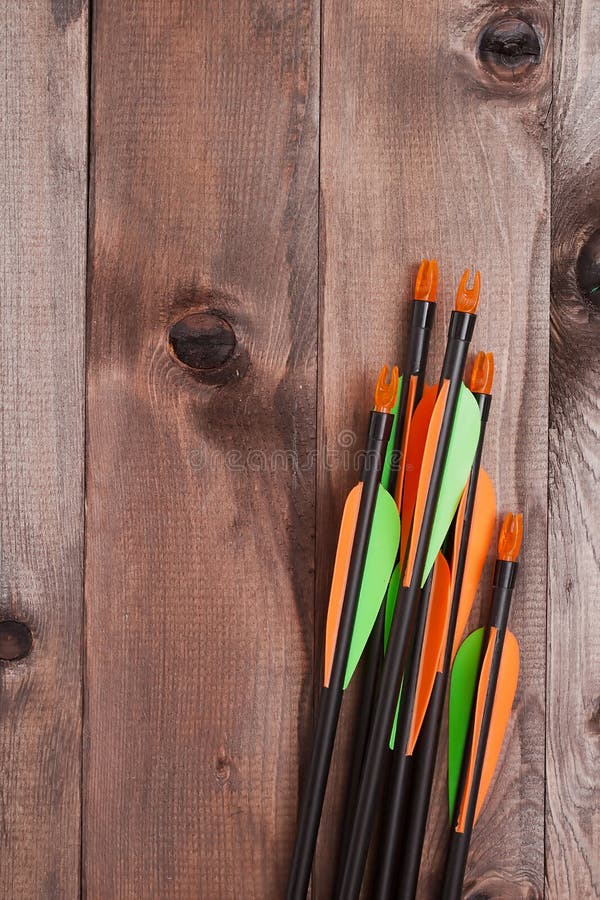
(381, 556)
(413, 458)
(390, 604)
(466, 689)
(459, 459)
(386, 473)
(480, 537)
(436, 629)
(340, 575)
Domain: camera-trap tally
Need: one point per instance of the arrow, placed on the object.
(431, 617)
(482, 690)
(410, 391)
(451, 599)
(473, 529)
(367, 548)
(449, 450)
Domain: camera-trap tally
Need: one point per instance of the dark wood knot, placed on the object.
(15, 640)
(223, 767)
(509, 47)
(203, 341)
(588, 270)
(593, 725)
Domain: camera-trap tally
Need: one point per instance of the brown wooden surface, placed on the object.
(424, 152)
(200, 533)
(573, 676)
(265, 179)
(43, 186)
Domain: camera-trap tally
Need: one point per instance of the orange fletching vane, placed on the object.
(427, 281)
(467, 299)
(385, 394)
(431, 442)
(506, 688)
(511, 537)
(340, 575)
(433, 642)
(411, 465)
(483, 524)
(482, 374)
(410, 402)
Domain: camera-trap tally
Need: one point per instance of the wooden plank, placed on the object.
(200, 535)
(426, 151)
(573, 708)
(43, 188)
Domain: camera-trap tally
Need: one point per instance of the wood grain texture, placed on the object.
(43, 188)
(573, 678)
(200, 534)
(426, 152)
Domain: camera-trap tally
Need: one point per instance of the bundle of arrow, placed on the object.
(414, 536)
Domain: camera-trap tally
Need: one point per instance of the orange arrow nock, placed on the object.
(385, 394)
(511, 537)
(482, 374)
(467, 299)
(427, 281)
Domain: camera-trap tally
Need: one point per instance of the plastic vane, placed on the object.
(437, 618)
(480, 537)
(414, 454)
(386, 472)
(381, 555)
(468, 686)
(461, 450)
(463, 443)
(436, 629)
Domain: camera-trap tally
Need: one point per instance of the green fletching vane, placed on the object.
(395, 725)
(390, 604)
(459, 459)
(380, 559)
(386, 473)
(463, 687)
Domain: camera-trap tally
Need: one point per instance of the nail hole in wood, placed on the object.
(15, 640)
(509, 47)
(202, 340)
(588, 270)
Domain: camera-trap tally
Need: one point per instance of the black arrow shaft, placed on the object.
(458, 851)
(460, 332)
(422, 316)
(426, 749)
(331, 697)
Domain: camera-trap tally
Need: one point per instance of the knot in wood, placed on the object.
(509, 47)
(588, 270)
(223, 767)
(15, 640)
(203, 341)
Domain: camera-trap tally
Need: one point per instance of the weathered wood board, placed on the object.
(43, 195)
(200, 487)
(265, 178)
(427, 152)
(573, 675)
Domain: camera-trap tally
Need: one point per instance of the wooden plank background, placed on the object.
(264, 178)
(403, 107)
(573, 675)
(43, 198)
(200, 537)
